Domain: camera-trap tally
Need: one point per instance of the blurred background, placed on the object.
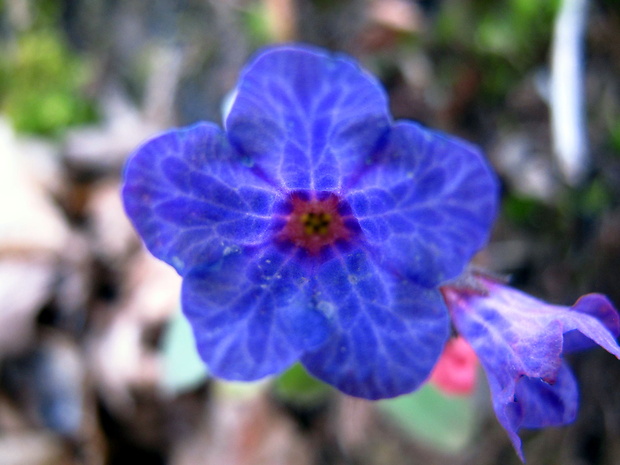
(97, 366)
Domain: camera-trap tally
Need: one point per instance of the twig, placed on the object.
(567, 91)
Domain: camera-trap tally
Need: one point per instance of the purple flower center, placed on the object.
(314, 221)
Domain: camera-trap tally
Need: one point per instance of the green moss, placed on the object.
(41, 84)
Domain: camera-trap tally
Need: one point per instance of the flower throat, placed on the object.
(316, 220)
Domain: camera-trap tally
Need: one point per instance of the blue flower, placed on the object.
(313, 228)
(520, 341)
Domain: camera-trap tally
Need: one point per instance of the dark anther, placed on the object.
(316, 223)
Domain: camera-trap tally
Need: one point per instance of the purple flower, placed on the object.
(313, 228)
(520, 341)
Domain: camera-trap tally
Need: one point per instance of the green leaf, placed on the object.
(446, 422)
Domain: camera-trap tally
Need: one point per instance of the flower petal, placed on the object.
(427, 204)
(600, 308)
(543, 404)
(533, 403)
(183, 193)
(250, 314)
(387, 331)
(517, 336)
(304, 117)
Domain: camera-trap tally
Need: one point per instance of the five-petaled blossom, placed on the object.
(314, 228)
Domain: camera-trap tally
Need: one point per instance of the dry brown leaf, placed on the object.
(121, 357)
(29, 222)
(33, 448)
(244, 430)
(111, 232)
(24, 286)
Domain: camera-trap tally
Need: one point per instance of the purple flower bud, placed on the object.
(520, 341)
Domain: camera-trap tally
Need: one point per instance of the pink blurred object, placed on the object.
(455, 372)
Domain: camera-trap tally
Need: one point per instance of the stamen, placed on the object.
(315, 221)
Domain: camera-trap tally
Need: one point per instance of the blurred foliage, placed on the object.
(295, 386)
(512, 29)
(505, 38)
(529, 213)
(612, 5)
(614, 138)
(41, 80)
(594, 199)
(255, 20)
(554, 222)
